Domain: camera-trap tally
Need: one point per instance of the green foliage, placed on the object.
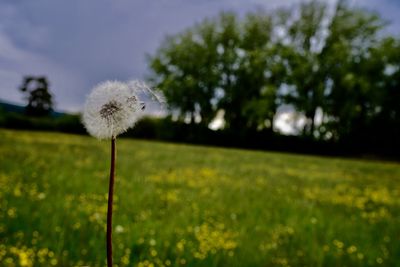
(357, 75)
(311, 57)
(179, 205)
(218, 64)
(188, 66)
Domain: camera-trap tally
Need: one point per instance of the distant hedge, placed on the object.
(65, 123)
(166, 129)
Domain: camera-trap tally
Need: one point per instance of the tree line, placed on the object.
(335, 65)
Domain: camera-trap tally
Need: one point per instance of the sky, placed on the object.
(80, 43)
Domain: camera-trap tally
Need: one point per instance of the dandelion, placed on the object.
(112, 108)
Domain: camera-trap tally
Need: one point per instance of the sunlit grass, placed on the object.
(180, 205)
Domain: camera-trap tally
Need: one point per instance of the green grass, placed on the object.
(179, 205)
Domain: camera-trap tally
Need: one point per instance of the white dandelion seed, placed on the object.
(143, 90)
(111, 108)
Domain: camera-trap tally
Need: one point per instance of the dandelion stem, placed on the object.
(110, 204)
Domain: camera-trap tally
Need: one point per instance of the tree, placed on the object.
(185, 69)
(250, 74)
(384, 122)
(218, 65)
(39, 98)
(354, 69)
(330, 66)
(305, 35)
(333, 65)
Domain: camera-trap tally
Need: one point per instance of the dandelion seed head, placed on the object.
(110, 109)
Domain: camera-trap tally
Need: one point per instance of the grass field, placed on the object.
(179, 205)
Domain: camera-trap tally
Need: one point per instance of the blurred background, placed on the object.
(319, 77)
(304, 77)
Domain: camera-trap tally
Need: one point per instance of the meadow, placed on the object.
(181, 205)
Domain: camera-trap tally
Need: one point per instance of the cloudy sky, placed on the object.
(79, 43)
